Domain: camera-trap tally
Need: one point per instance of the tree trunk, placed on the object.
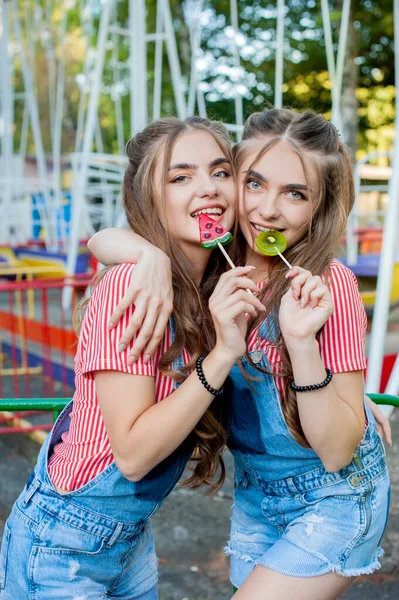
(349, 103)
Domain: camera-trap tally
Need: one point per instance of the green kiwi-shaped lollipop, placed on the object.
(272, 243)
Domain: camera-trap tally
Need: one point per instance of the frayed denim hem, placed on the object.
(373, 566)
(228, 551)
(329, 568)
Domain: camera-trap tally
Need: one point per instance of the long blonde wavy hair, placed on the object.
(308, 134)
(193, 323)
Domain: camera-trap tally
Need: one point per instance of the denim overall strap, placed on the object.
(259, 439)
(109, 498)
(269, 328)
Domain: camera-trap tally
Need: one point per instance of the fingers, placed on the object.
(234, 279)
(386, 428)
(135, 323)
(319, 293)
(385, 432)
(157, 334)
(307, 288)
(243, 296)
(238, 302)
(299, 278)
(383, 426)
(147, 327)
(382, 422)
(121, 308)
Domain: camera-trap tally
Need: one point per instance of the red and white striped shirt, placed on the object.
(342, 340)
(85, 450)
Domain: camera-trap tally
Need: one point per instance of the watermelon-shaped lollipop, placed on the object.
(272, 243)
(212, 233)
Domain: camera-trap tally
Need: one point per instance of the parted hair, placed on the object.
(193, 323)
(316, 141)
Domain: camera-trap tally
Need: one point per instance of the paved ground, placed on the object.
(191, 530)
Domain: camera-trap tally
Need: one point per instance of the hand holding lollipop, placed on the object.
(307, 291)
(213, 234)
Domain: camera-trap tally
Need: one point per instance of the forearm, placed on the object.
(330, 424)
(165, 425)
(114, 246)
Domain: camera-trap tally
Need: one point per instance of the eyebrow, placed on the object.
(214, 163)
(289, 186)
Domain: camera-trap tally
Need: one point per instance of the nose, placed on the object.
(269, 206)
(207, 187)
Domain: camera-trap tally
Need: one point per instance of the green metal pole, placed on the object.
(16, 404)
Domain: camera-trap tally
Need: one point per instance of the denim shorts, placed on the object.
(44, 557)
(313, 523)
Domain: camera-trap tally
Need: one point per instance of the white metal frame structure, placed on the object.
(384, 280)
(26, 27)
(38, 31)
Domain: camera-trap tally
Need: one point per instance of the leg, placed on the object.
(265, 584)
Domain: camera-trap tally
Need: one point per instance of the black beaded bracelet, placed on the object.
(315, 386)
(202, 378)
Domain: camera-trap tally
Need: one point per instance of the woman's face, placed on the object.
(276, 194)
(199, 180)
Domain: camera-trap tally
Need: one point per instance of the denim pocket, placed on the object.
(4, 556)
(55, 536)
(340, 491)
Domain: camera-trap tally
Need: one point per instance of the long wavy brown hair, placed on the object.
(314, 139)
(193, 323)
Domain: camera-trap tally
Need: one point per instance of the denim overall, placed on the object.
(290, 514)
(92, 543)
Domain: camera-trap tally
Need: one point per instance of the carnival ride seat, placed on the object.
(8, 258)
(366, 271)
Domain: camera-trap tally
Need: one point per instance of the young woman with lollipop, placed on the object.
(312, 488)
(81, 525)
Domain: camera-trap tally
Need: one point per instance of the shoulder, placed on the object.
(117, 275)
(340, 273)
(113, 284)
(342, 339)
(342, 282)
(346, 296)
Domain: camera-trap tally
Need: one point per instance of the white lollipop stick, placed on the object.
(283, 258)
(227, 257)
(232, 265)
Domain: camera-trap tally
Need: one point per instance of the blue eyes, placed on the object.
(222, 174)
(254, 186)
(217, 175)
(298, 196)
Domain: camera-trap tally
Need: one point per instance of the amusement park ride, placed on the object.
(42, 224)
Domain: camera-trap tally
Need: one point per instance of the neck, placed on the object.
(198, 258)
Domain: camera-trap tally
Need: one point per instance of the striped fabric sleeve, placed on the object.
(99, 345)
(342, 341)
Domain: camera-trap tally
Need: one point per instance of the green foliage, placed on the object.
(377, 115)
(307, 83)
